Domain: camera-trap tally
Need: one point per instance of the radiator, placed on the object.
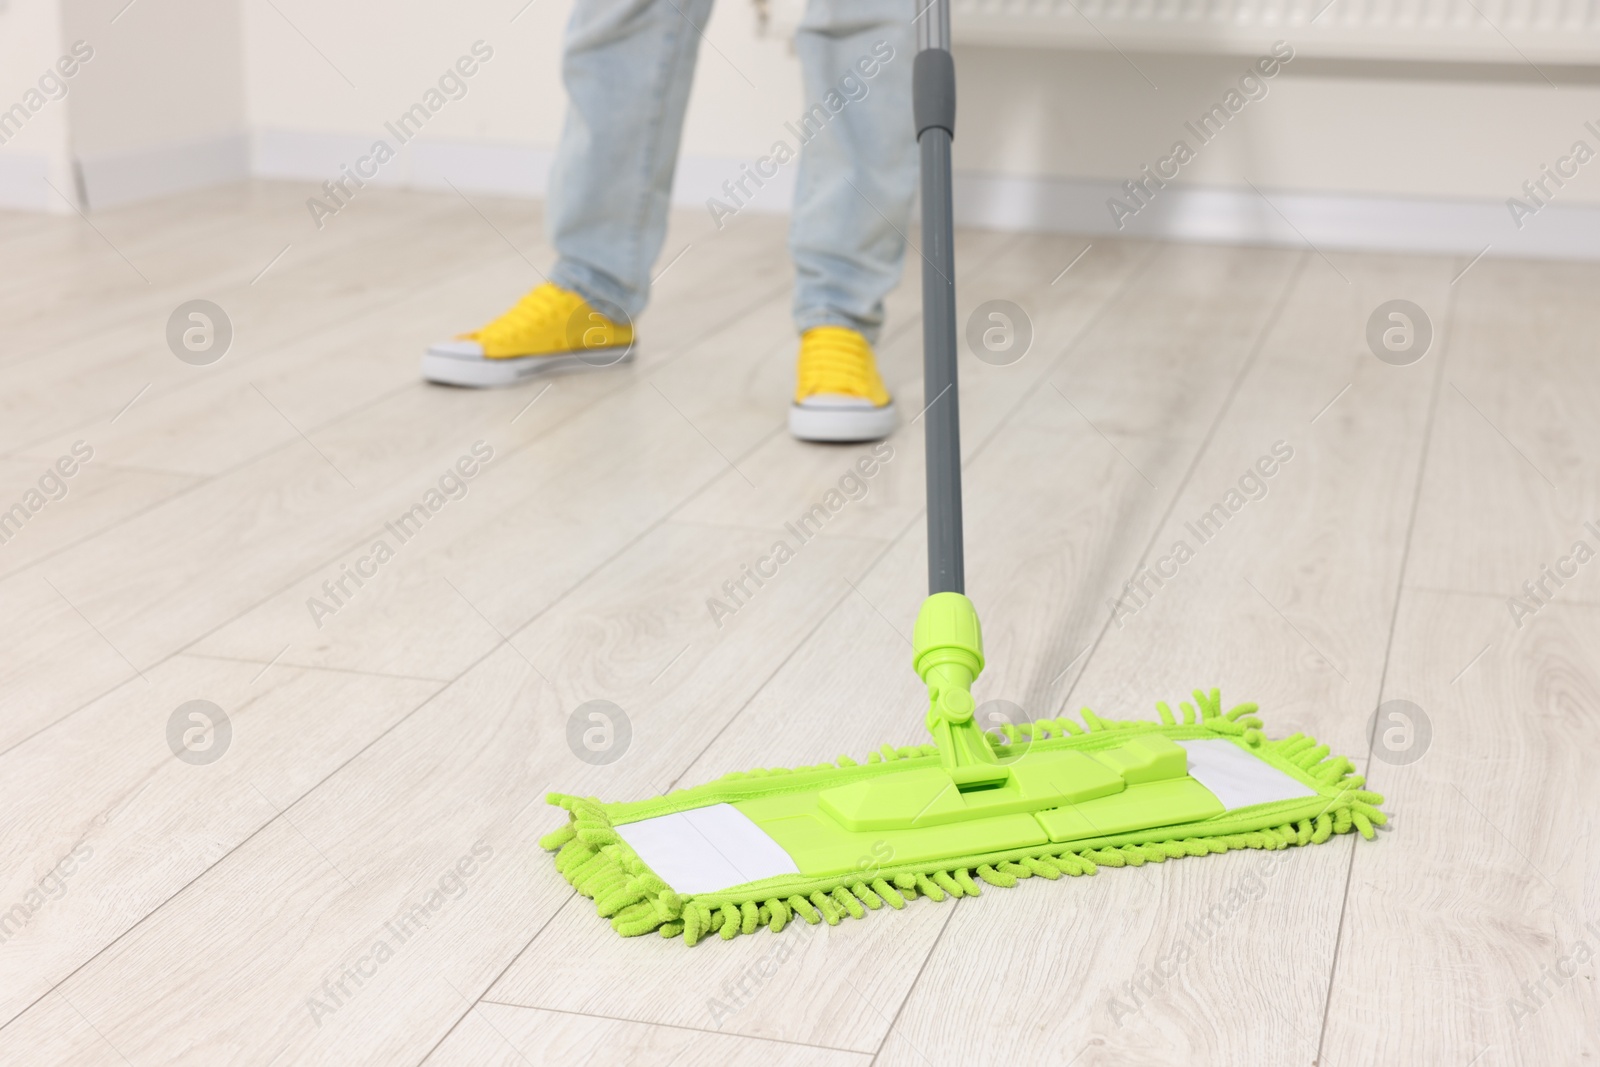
(1517, 32)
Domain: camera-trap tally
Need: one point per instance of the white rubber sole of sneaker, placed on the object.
(841, 423)
(480, 372)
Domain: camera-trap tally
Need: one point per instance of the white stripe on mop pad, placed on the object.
(1237, 778)
(706, 850)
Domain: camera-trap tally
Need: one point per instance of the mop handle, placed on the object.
(933, 93)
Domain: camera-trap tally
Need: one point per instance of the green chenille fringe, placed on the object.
(592, 856)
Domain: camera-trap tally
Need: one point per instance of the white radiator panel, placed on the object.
(1491, 31)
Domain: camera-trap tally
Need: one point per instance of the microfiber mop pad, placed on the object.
(1240, 790)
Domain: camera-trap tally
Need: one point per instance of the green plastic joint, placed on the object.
(948, 656)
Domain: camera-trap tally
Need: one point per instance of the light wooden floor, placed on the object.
(219, 913)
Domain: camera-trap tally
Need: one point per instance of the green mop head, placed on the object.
(760, 848)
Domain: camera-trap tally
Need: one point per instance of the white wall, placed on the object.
(391, 52)
(312, 112)
(35, 145)
(161, 107)
(163, 72)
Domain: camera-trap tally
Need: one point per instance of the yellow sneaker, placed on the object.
(838, 395)
(550, 327)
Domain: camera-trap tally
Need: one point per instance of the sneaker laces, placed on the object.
(837, 360)
(546, 304)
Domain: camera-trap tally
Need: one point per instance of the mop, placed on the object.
(1048, 798)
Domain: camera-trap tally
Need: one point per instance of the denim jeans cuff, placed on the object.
(805, 320)
(602, 292)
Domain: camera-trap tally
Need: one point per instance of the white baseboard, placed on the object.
(495, 167)
(484, 167)
(700, 178)
(309, 155)
(1004, 202)
(113, 178)
(1211, 214)
(1179, 212)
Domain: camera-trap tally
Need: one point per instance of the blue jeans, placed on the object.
(627, 69)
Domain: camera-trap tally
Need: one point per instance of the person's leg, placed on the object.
(627, 69)
(858, 169)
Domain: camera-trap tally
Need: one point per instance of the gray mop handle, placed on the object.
(933, 94)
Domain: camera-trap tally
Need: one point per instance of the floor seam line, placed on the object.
(673, 1026)
(571, 896)
(310, 667)
(1274, 313)
(912, 988)
(1448, 335)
